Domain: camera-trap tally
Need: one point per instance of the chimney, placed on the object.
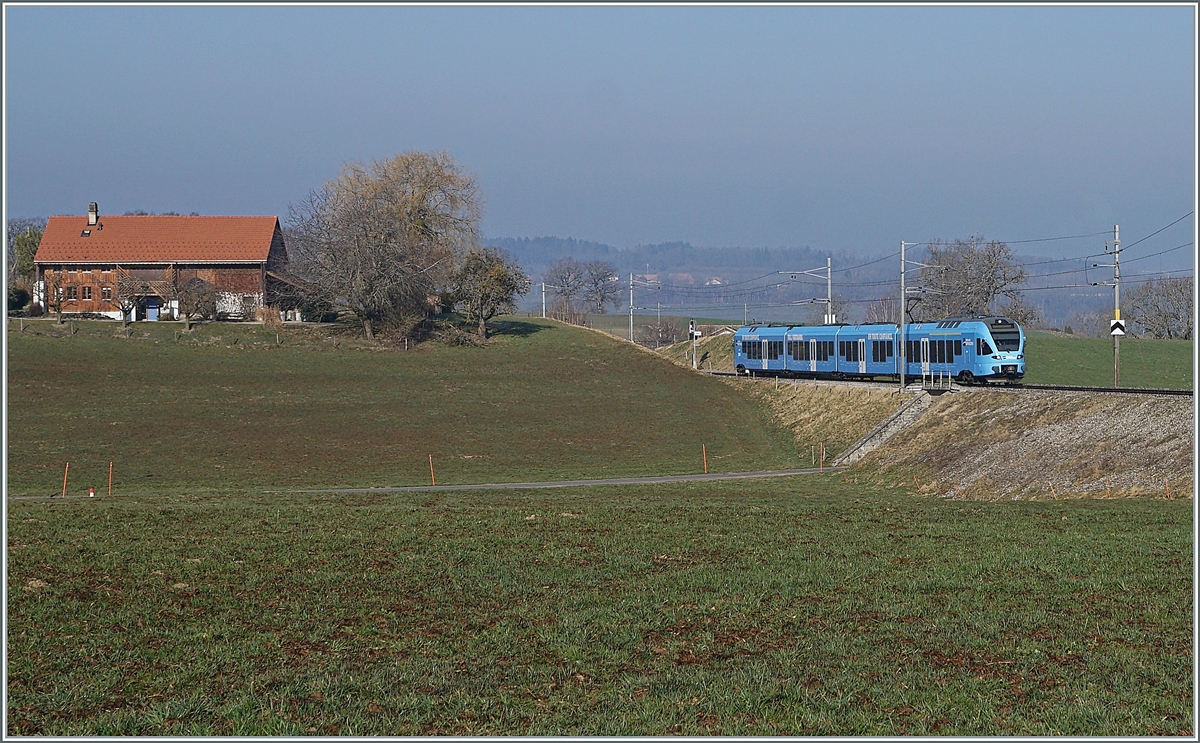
(93, 214)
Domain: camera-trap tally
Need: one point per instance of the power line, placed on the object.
(870, 263)
(1152, 234)
(1161, 252)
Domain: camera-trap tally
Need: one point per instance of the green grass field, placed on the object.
(543, 402)
(812, 606)
(1145, 362)
(195, 603)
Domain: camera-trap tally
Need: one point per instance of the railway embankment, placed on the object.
(827, 415)
(994, 444)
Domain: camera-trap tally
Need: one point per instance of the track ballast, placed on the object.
(1003, 386)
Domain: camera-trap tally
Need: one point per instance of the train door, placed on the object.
(924, 357)
(862, 355)
(812, 355)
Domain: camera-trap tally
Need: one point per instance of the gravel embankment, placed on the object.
(1008, 444)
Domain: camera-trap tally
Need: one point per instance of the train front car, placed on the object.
(971, 350)
(1000, 350)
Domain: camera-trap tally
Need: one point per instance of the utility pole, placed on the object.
(900, 350)
(692, 332)
(829, 290)
(828, 271)
(1116, 325)
(543, 300)
(901, 357)
(1116, 305)
(631, 307)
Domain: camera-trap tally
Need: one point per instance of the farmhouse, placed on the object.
(141, 266)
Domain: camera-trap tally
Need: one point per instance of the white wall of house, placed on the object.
(238, 305)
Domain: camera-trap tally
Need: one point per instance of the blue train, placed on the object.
(971, 350)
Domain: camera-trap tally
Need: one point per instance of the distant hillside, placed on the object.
(690, 274)
(537, 253)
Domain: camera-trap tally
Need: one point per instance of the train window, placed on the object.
(982, 348)
(1006, 340)
(842, 349)
(798, 350)
(891, 351)
(753, 349)
(958, 347)
(774, 350)
(824, 350)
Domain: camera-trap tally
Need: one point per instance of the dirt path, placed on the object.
(573, 483)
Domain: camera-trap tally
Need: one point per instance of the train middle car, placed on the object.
(968, 349)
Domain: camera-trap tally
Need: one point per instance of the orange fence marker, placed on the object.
(431, 477)
(65, 471)
(704, 451)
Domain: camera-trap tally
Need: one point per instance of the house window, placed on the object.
(106, 293)
(72, 293)
(86, 292)
(106, 269)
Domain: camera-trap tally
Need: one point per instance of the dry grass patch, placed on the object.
(830, 414)
(987, 444)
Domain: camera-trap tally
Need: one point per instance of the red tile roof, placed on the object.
(157, 239)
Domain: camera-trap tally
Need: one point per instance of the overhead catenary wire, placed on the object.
(1152, 234)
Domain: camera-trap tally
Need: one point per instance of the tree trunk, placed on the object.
(367, 329)
(482, 329)
(187, 322)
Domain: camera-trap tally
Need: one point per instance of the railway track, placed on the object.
(1022, 386)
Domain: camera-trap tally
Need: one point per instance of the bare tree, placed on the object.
(660, 333)
(486, 284)
(197, 299)
(379, 239)
(567, 280)
(1088, 324)
(1021, 312)
(600, 286)
(24, 236)
(1161, 309)
(883, 311)
(128, 290)
(967, 278)
(58, 289)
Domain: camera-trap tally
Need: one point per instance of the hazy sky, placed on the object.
(835, 127)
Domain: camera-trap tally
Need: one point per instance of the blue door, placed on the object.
(152, 308)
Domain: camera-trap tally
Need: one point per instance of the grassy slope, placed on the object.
(813, 606)
(1059, 359)
(545, 401)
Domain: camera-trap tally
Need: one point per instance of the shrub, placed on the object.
(17, 298)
